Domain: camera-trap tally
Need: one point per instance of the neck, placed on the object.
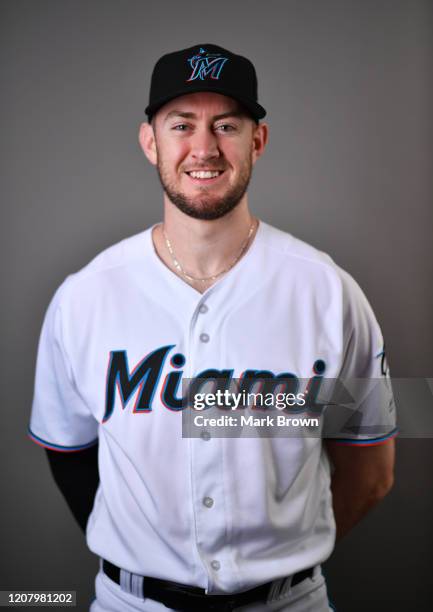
(203, 248)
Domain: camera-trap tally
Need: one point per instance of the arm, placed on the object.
(76, 474)
(362, 477)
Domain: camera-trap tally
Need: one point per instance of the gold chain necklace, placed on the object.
(214, 276)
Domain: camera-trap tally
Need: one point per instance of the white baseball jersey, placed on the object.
(224, 514)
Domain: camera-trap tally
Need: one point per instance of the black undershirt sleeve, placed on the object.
(77, 477)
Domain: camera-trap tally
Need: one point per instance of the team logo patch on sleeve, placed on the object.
(206, 65)
(383, 362)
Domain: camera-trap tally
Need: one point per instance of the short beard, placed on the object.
(206, 208)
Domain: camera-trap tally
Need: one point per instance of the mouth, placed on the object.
(204, 176)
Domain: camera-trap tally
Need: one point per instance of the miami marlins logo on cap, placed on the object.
(206, 65)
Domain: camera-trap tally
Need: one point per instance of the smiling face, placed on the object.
(204, 147)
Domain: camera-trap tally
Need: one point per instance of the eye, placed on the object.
(180, 127)
(225, 127)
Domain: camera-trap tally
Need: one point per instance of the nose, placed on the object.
(204, 144)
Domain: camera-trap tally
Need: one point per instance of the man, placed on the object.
(207, 522)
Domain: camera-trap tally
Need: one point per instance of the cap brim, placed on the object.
(255, 109)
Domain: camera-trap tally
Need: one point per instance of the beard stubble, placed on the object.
(205, 206)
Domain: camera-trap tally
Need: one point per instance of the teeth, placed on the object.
(204, 174)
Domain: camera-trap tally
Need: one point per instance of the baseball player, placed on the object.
(207, 522)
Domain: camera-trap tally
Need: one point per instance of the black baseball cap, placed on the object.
(205, 67)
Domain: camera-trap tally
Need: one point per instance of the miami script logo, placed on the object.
(206, 65)
(144, 380)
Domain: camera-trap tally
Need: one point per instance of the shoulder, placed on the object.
(119, 255)
(297, 255)
(313, 269)
(110, 263)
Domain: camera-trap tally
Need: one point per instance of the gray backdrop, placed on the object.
(348, 88)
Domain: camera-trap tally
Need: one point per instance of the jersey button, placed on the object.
(204, 337)
(208, 502)
(203, 309)
(205, 435)
(215, 565)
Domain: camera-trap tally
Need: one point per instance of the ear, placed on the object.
(146, 138)
(260, 138)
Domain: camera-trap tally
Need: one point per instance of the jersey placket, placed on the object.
(207, 466)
